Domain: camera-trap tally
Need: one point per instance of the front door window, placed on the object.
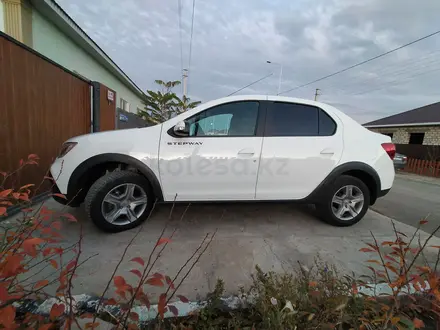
(231, 119)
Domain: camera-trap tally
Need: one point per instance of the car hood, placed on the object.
(119, 139)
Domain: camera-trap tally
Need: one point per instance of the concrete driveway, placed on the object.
(274, 236)
(412, 198)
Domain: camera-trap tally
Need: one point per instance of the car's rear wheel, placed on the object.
(344, 202)
(119, 201)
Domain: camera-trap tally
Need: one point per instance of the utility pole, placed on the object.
(280, 77)
(185, 81)
(279, 81)
(317, 94)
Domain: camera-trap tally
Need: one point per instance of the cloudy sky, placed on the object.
(233, 39)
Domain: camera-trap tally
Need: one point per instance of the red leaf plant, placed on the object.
(147, 279)
(33, 241)
(29, 243)
(401, 265)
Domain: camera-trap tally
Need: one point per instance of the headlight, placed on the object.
(66, 148)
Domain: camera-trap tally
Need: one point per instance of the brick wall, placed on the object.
(432, 136)
(401, 134)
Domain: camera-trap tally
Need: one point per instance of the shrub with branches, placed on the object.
(321, 297)
(316, 298)
(30, 244)
(33, 242)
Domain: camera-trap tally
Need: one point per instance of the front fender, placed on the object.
(76, 180)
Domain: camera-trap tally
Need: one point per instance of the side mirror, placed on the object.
(181, 129)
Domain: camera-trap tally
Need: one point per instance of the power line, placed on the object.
(388, 71)
(385, 76)
(396, 82)
(361, 63)
(386, 85)
(191, 38)
(253, 83)
(179, 12)
(190, 50)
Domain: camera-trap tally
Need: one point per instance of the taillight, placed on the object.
(390, 149)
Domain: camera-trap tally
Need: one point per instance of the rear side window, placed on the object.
(290, 119)
(327, 125)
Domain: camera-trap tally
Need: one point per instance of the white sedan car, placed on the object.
(241, 148)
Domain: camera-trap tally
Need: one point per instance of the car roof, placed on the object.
(331, 110)
(269, 98)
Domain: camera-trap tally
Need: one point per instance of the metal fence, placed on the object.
(126, 120)
(419, 151)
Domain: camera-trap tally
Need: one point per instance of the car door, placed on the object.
(219, 157)
(301, 146)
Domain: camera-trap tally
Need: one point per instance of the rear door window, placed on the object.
(292, 119)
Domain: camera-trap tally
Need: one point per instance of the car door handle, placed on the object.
(327, 151)
(246, 152)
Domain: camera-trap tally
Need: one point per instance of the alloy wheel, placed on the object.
(347, 202)
(124, 204)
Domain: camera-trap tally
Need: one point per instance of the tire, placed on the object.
(95, 205)
(327, 208)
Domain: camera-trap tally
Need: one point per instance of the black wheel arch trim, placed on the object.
(313, 197)
(341, 169)
(82, 169)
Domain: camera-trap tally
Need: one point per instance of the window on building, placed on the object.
(416, 138)
(388, 134)
(124, 105)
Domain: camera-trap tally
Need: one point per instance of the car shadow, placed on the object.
(223, 215)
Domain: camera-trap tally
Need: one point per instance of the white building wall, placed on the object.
(51, 42)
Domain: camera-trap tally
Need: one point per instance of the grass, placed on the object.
(315, 298)
(306, 299)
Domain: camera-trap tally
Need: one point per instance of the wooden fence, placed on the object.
(41, 106)
(423, 167)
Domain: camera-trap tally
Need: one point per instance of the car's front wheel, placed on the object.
(119, 201)
(344, 202)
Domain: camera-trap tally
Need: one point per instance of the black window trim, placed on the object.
(259, 130)
(331, 118)
(270, 108)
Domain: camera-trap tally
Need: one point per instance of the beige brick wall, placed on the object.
(432, 136)
(401, 134)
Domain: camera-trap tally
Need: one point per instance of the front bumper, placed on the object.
(72, 199)
(56, 190)
(382, 193)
